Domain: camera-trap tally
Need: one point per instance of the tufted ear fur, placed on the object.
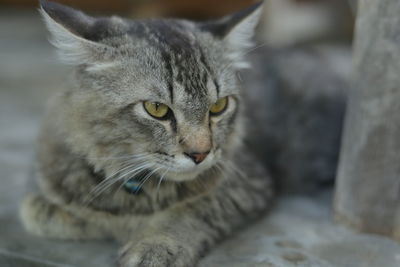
(74, 34)
(237, 31)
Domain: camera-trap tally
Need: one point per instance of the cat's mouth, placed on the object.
(166, 174)
(184, 169)
(177, 168)
(181, 176)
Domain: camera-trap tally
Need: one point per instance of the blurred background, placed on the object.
(313, 36)
(305, 19)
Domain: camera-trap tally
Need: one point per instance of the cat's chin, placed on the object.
(186, 170)
(183, 176)
(187, 175)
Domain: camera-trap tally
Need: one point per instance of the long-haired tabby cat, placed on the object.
(146, 146)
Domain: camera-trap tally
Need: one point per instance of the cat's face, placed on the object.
(162, 92)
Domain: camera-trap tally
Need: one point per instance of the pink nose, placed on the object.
(197, 157)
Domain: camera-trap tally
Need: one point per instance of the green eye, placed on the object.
(155, 109)
(219, 106)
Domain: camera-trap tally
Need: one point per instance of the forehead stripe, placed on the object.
(216, 87)
(184, 60)
(170, 75)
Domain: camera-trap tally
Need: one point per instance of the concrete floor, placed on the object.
(299, 232)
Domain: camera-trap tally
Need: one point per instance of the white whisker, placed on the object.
(160, 181)
(147, 177)
(107, 183)
(126, 166)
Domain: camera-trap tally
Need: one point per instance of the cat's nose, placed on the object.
(196, 156)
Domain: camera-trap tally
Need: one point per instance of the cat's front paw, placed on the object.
(158, 251)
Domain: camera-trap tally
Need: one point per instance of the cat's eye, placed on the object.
(156, 109)
(219, 106)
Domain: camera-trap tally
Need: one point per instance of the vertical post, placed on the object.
(367, 193)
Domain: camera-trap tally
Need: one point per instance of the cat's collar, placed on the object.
(133, 186)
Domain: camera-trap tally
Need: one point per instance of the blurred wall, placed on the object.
(103, 6)
(286, 22)
(291, 22)
(200, 9)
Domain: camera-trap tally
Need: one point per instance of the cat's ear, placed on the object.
(72, 33)
(237, 30)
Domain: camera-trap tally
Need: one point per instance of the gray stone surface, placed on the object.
(369, 163)
(299, 231)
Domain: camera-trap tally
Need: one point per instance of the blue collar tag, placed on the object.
(133, 186)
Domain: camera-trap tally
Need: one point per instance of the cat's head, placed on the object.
(162, 92)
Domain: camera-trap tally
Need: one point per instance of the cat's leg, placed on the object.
(179, 235)
(43, 218)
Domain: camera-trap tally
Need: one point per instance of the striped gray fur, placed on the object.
(97, 136)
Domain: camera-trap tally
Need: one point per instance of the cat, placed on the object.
(146, 146)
